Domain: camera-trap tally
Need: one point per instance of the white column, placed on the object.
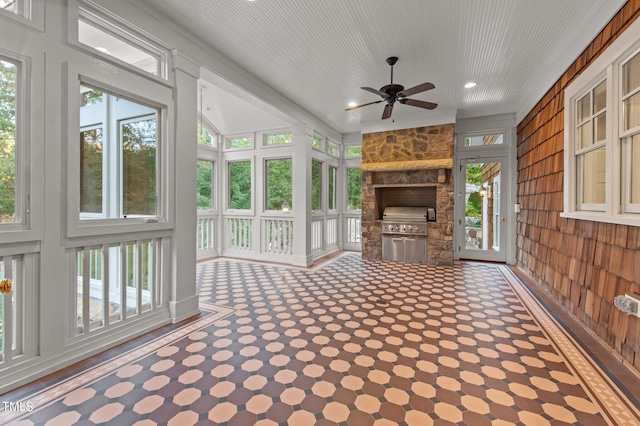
(302, 196)
(183, 300)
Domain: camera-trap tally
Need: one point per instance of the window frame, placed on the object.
(134, 88)
(18, 160)
(332, 190)
(626, 142)
(581, 153)
(228, 139)
(204, 124)
(320, 144)
(321, 185)
(266, 135)
(114, 26)
(607, 66)
(211, 154)
(265, 168)
(227, 185)
(32, 14)
(345, 185)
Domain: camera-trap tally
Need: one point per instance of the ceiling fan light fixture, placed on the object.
(352, 104)
(469, 85)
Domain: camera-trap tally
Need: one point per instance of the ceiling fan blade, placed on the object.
(376, 91)
(417, 103)
(358, 106)
(416, 89)
(387, 111)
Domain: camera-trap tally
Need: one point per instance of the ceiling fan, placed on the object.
(396, 92)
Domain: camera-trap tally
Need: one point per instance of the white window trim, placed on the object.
(608, 65)
(123, 30)
(266, 183)
(266, 135)
(215, 136)
(28, 198)
(228, 139)
(32, 14)
(227, 186)
(336, 192)
(322, 140)
(335, 146)
(138, 89)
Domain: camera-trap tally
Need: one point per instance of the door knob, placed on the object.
(5, 286)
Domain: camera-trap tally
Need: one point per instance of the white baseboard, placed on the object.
(184, 309)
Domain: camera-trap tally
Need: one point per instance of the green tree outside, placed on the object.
(279, 183)
(354, 189)
(474, 204)
(240, 185)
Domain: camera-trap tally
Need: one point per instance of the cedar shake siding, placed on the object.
(582, 264)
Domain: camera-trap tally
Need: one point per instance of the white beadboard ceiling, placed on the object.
(318, 53)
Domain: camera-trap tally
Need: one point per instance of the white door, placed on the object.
(481, 219)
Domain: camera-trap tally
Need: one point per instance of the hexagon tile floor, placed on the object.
(349, 342)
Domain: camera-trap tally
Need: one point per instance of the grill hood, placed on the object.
(405, 214)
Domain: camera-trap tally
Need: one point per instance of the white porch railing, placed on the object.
(115, 282)
(352, 231)
(332, 232)
(18, 306)
(317, 234)
(206, 235)
(239, 233)
(278, 236)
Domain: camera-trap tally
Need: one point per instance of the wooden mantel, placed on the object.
(393, 166)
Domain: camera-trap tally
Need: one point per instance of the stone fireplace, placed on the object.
(409, 167)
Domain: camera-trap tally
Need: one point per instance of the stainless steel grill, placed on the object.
(404, 233)
(405, 220)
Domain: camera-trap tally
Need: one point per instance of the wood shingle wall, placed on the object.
(582, 264)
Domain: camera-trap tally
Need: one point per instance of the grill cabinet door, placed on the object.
(392, 248)
(415, 249)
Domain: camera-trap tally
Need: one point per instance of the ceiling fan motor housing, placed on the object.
(392, 90)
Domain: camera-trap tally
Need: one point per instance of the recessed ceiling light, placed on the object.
(102, 49)
(469, 85)
(352, 104)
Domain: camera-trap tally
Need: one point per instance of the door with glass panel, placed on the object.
(481, 213)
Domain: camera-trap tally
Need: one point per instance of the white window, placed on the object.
(278, 139)
(239, 183)
(239, 142)
(205, 182)
(118, 156)
(205, 137)
(631, 134)
(354, 188)
(112, 37)
(590, 148)
(19, 7)
(602, 136)
(316, 185)
(316, 143)
(333, 150)
(331, 188)
(10, 178)
(496, 213)
(279, 184)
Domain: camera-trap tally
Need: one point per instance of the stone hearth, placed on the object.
(415, 162)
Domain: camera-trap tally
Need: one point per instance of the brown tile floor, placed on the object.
(349, 342)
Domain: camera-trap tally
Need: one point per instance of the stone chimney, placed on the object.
(407, 166)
